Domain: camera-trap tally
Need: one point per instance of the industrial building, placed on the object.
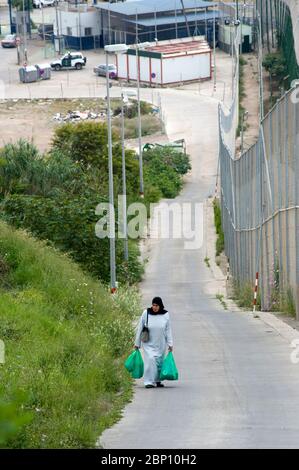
(149, 20)
(82, 26)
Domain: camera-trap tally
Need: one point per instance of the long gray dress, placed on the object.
(160, 336)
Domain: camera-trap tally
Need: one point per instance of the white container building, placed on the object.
(168, 62)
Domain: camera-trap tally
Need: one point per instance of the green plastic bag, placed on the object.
(168, 369)
(134, 364)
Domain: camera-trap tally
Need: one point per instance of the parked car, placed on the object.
(71, 60)
(102, 70)
(44, 3)
(48, 29)
(10, 40)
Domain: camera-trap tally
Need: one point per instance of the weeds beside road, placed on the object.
(65, 340)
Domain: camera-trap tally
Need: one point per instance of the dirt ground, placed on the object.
(250, 102)
(33, 120)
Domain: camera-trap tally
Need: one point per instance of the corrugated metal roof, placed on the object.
(151, 6)
(199, 16)
(182, 47)
(173, 47)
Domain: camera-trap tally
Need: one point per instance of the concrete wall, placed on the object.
(77, 21)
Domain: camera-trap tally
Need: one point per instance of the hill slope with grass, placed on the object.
(63, 379)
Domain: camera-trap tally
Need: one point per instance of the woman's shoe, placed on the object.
(159, 384)
(149, 386)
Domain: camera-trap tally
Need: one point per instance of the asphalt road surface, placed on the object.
(237, 387)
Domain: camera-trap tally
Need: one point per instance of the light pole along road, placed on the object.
(111, 49)
(237, 386)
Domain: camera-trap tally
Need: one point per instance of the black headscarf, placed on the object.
(157, 301)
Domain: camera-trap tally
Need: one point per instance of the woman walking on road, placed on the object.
(156, 318)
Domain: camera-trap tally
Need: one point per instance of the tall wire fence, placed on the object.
(260, 200)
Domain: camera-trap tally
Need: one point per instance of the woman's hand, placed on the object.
(136, 347)
(170, 348)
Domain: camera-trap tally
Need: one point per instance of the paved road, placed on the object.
(237, 387)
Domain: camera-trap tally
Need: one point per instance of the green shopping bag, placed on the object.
(134, 364)
(168, 369)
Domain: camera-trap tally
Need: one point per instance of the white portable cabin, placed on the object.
(167, 62)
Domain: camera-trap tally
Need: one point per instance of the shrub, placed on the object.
(84, 142)
(131, 110)
(243, 295)
(179, 161)
(218, 226)
(15, 163)
(69, 223)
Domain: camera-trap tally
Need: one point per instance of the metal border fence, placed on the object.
(260, 199)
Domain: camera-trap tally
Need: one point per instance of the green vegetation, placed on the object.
(66, 339)
(244, 294)
(131, 109)
(164, 168)
(22, 4)
(55, 195)
(276, 66)
(12, 418)
(281, 298)
(150, 123)
(285, 39)
(220, 297)
(207, 261)
(242, 94)
(218, 226)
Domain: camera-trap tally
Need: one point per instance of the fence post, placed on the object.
(296, 173)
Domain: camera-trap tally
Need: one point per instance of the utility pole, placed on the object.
(10, 15)
(25, 34)
(125, 226)
(214, 34)
(141, 187)
(176, 21)
(44, 36)
(57, 28)
(79, 17)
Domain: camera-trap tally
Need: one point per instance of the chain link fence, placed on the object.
(260, 205)
(260, 199)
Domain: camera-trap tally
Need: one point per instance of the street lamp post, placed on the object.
(140, 46)
(25, 34)
(124, 98)
(123, 160)
(111, 195)
(112, 49)
(141, 188)
(214, 48)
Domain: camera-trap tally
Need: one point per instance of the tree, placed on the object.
(86, 143)
(275, 64)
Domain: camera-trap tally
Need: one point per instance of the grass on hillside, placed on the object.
(66, 338)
